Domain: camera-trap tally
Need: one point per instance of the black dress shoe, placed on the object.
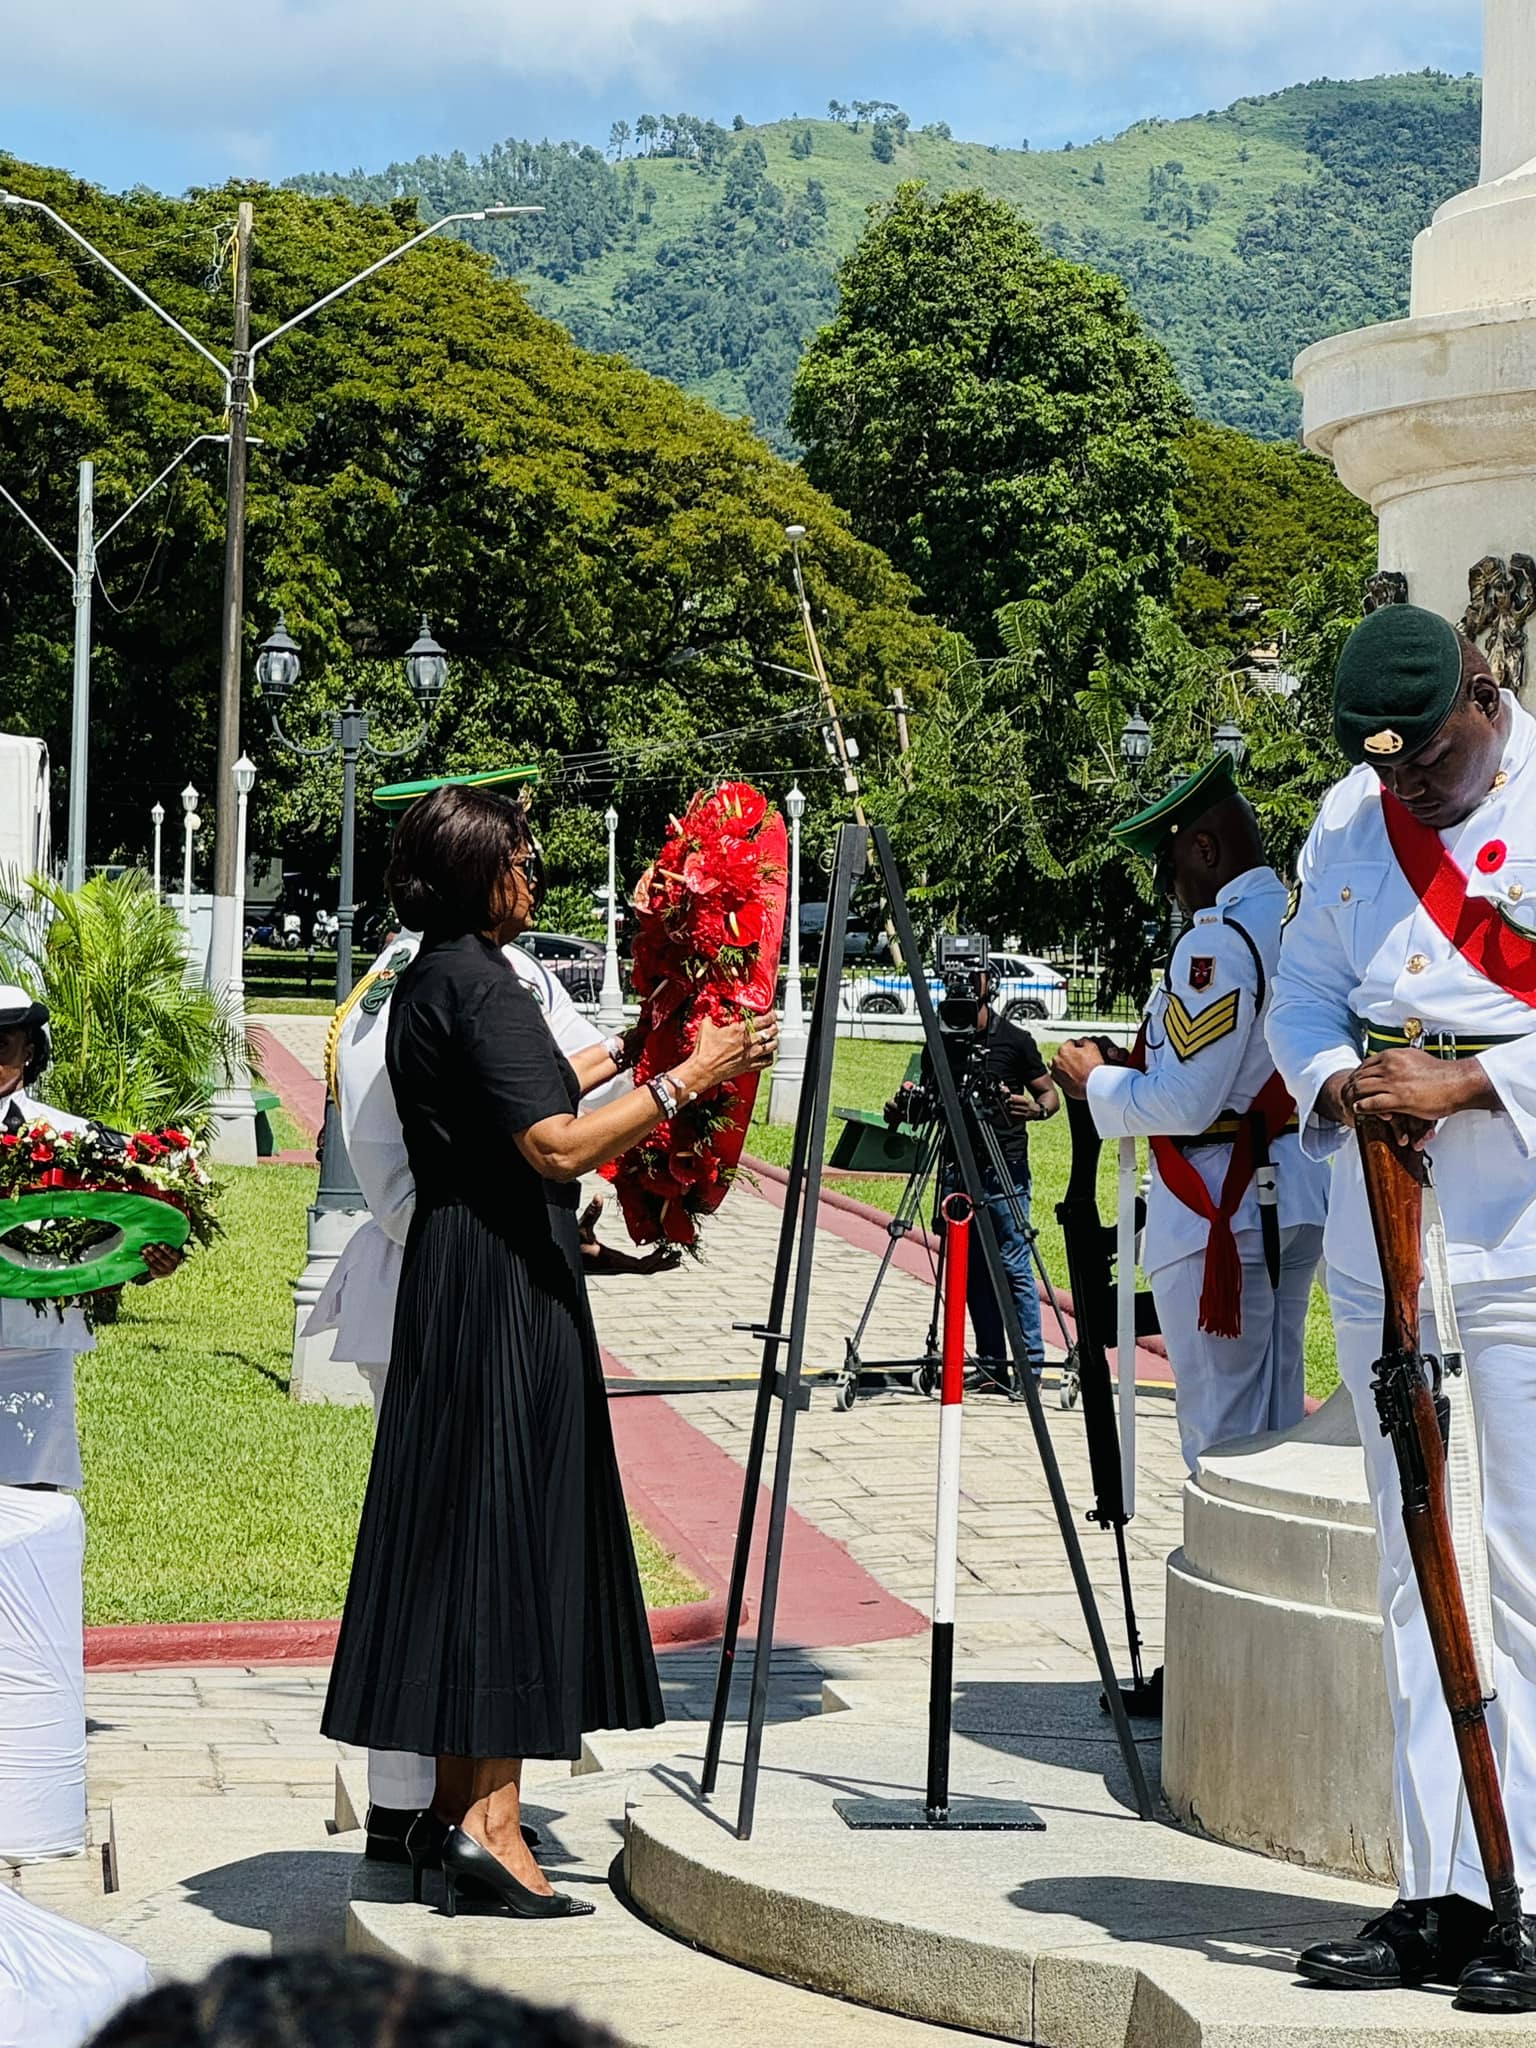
(1418, 1941)
(387, 1828)
(424, 1840)
(1503, 1977)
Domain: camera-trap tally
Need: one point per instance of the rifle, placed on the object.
(1090, 1244)
(1413, 1414)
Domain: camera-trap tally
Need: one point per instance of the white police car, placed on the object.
(1029, 992)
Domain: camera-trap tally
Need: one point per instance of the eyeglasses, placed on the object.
(532, 865)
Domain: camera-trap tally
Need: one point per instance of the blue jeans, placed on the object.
(986, 1316)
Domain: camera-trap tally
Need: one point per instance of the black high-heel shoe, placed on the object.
(466, 1863)
(424, 1841)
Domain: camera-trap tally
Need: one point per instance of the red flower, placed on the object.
(1493, 856)
(10, 1137)
(180, 1139)
(41, 1152)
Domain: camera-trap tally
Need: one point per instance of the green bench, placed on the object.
(867, 1144)
(266, 1100)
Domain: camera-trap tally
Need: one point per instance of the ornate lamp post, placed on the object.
(339, 1207)
(1136, 745)
(157, 819)
(245, 782)
(1228, 739)
(610, 1003)
(190, 824)
(789, 1068)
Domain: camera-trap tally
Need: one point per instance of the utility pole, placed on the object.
(80, 708)
(230, 644)
(903, 737)
(233, 1104)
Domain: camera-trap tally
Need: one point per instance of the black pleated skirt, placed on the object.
(495, 1606)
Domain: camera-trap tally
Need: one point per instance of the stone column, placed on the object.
(1432, 420)
(1509, 88)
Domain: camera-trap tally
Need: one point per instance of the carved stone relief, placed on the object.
(1502, 604)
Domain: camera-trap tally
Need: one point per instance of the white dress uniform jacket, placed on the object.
(358, 1301)
(1362, 947)
(1206, 1054)
(38, 1347)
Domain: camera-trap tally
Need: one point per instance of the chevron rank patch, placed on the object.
(1191, 1034)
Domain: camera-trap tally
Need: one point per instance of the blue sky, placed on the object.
(178, 92)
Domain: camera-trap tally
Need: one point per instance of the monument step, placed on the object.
(613, 1967)
(1104, 1931)
(203, 1878)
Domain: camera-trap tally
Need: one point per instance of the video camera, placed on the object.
(962, 964)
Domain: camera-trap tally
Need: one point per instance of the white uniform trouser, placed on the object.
(39, 1445)
(1230, 1387)
(1437, 1850)
(395, 1777)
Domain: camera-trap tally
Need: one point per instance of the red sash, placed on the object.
(1473, 925)
(1221, 1295)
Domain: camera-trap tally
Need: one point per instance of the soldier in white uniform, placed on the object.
(39, 1343)
(1231, 1274)
(358, 1300)
(1405, 991)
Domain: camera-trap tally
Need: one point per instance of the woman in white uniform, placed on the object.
(38, 1342)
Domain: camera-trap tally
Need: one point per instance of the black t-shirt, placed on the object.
(1012, 1059)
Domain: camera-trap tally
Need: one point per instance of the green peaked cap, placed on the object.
(1397, 682)
(1184, 805)
(399, 796)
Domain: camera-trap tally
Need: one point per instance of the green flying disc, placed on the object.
(135, 1220)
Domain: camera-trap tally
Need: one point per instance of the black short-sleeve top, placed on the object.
(472, 1064)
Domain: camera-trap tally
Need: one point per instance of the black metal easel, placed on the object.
(802, 1197)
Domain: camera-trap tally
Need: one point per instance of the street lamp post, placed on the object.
(82, 576)
(245, 782)
(339, 1207)
(157, 819)
(610, 1003)
(190, 823)
(789, 1068)
(238, 380)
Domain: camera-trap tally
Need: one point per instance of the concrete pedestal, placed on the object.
(316, 1375)
(1276, 1734)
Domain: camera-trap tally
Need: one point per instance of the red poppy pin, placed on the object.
(1202, 972)
(1492, 857)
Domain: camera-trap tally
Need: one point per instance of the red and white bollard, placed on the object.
(957, 1213)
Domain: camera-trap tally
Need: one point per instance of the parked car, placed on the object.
(1029, 991)
(860, 940)
(577, 962)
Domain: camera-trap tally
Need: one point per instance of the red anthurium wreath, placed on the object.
(711, 923)
(77, 1208)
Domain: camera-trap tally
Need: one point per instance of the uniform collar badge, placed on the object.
(1385, 743)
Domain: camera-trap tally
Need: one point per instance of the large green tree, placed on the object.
(1253, 516)
(994, 418)
(603, 557)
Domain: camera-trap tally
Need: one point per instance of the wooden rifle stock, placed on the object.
(1406, 1386)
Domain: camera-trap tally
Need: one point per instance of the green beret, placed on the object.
(1397, 682)
(1184, 805)
(399, 796)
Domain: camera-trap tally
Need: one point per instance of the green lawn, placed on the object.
(209, 1495)
(867, 1071)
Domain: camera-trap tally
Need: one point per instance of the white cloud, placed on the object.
(210, 65)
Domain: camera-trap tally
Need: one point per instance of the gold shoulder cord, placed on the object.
(333, 1035)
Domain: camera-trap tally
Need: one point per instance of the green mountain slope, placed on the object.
(1243, 235)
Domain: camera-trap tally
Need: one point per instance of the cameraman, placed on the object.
(1015, 1091)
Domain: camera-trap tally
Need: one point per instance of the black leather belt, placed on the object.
(1225, 1130)
(1411, 1036)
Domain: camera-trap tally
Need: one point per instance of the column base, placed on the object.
(233, 1142)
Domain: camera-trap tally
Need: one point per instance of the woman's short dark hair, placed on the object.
(450, 859)
(320, 2001)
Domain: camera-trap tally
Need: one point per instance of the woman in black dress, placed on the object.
(495, 1610)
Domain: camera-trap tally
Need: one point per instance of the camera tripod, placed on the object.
(936, 1152)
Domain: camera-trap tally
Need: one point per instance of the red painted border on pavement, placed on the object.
(859, 1223)
(133, 1648)
(687, 1491)
(302, 1093)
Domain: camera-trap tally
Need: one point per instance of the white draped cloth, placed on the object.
(59, 1982)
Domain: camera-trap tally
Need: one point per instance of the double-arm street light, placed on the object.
(237, 377)
(82, 575)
